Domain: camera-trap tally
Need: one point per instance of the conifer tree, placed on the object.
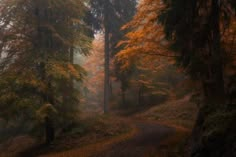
(38, 42)
(197, 36)
(111, 16)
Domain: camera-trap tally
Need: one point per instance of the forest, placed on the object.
(117, 78)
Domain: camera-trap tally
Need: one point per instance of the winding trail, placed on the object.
(142, 142)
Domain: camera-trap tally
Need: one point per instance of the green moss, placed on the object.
(217, 131)
(217, 123)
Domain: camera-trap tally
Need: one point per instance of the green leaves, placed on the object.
(64, 71)
(46, 110)
(40, 38)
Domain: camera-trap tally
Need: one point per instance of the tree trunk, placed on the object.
(107, 60)
(71, 55)
(140, 95)
(49, 130)
(43, 44)
(215, 82)
(123, 97)
(111, 89)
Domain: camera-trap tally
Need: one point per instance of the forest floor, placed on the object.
(160, 131)
(144, 140)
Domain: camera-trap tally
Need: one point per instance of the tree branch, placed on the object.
(158, 54)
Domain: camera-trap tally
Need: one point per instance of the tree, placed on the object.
(146, 37)
(38, 41)
(229, 45)
(201, 34)
(112, 15)
(94, 81)
(145, 49)
(197, 37)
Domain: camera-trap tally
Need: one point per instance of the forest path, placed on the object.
(144, 144)
(142, 141)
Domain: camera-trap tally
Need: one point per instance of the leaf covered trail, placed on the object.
(143, 141)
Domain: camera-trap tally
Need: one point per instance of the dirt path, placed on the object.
(143, 143)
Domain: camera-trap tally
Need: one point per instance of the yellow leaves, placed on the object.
(94, 65)
(128, 56)
(73, 71)
(146, 37)
(148, 11)
(29, 79)
(76, 71)
(60, 70)
(75, 20)
(46, 110)
(159, 92)
(144, 82)
(57, 70)
(8, 97)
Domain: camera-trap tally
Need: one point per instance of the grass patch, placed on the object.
(179, 114)
(175, 112)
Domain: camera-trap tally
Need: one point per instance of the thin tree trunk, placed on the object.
(71, 62)
(49, 130)
(123, 97)
(107, 61)
(140, 95)
(111, 89)
(43, 44)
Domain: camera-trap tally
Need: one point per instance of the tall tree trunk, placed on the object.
(216, 93)
(212, 81)
(140, 95)
(49, 130)
(71, 55)
(107, 60)
(123, 97)
(111, 89)
(43, 44)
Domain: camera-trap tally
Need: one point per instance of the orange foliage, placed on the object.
(94, 65)
(146, 40)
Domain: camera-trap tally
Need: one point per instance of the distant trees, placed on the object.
(111, 15)
(38, 42)
(94, 80)
(140, 50)
(195, 33)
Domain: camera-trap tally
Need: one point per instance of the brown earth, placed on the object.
(157, 132)
(143, 141)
